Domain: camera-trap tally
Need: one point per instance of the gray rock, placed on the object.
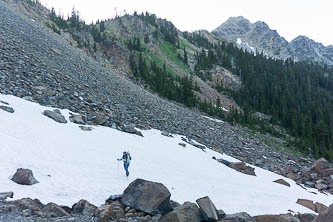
(282, 181)
(83, 207)
(207, 209)
(188, 212)
(238, 217)
(24, 177)
(7, 109)
(55, 116)
(53, 210)
(77, 119)
(150, 197)
(86, 128)
(325, 216)
(276, 218)
(306, 217)
(4, 196)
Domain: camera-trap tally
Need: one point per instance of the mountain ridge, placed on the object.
(262, 38)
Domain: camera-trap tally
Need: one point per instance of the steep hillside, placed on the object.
(259, 37)
(40, 65)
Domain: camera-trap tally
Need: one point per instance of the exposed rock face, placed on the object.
(55, 116)
(325, 216)
(24, 177)
(283, 182)
(189, 212)
(258, 36)
(150, 197)
(207, 209)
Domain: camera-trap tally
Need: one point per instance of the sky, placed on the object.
(290, 18)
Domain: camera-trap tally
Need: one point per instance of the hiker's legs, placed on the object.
(126, 165)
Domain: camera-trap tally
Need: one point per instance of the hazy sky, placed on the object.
(313, 18)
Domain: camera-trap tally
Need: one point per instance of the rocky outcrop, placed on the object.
(56, 116)
(259, 37)
(24, 177)
(150, 197)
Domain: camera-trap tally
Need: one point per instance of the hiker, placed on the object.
(126, 159)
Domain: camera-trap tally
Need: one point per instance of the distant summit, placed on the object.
(259, 37)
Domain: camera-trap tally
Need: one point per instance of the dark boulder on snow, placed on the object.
(282, 182)
(184, 213)
(24, 177)
(55, 116)
(325, 216)
(150, 197)
(4, 196)
(208, 209)
(7, 109)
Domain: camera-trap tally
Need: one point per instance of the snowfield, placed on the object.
(72, 164)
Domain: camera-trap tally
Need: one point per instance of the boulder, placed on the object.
(4, 196)
(320, 207)
(77, 119)
(325, 216)
(326, 172)
(238, 166)
(283, 182)
(24, 177)
(276, 218)
(103, 213)
(86, 128)
(53, 210)
(7, 109)
(34, 206)
(238, 217)
(55, 116)
(307, 203)
(241, 167)
(306, 217)
(150, 197)
(189, 212)
(83, 207)
(208, 209)
(320, 165)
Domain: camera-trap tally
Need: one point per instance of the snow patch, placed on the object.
(72, 164)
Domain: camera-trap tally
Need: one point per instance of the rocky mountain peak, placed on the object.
(259, 36)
